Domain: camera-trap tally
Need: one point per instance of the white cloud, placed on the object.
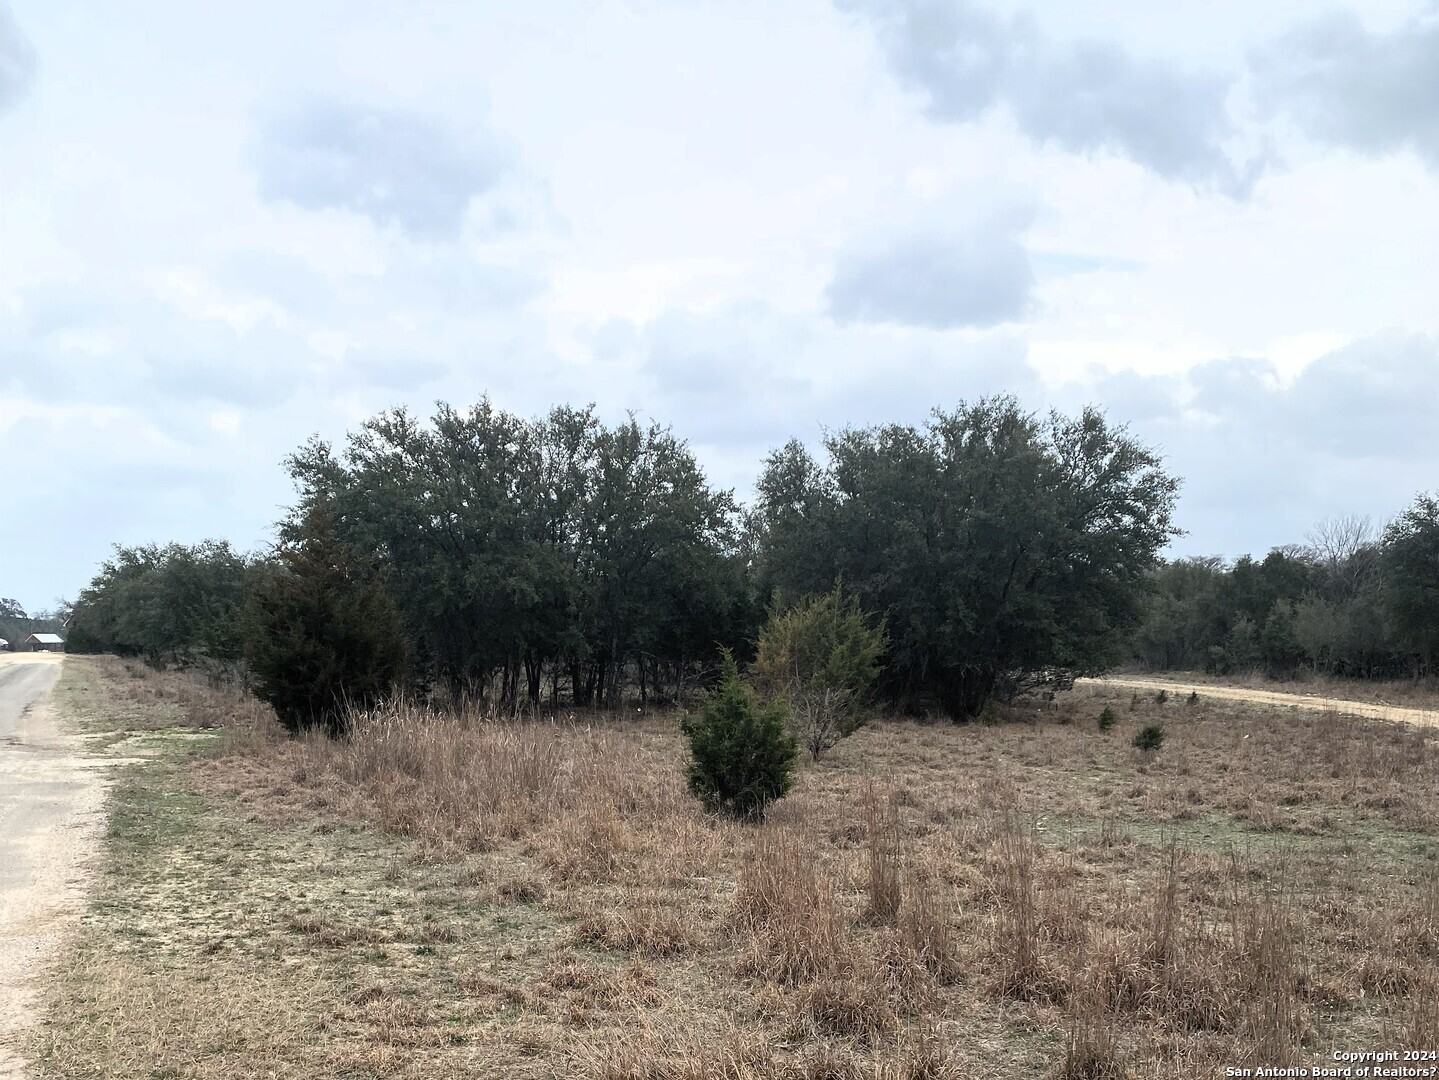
(732, 217)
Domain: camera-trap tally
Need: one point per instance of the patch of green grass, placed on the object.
(146, 816)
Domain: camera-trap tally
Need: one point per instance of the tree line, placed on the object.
(16, 625)
(1353, 601)
(558, 559)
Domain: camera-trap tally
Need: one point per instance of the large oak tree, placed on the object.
(1000, 547)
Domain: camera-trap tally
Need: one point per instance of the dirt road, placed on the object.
(1375, 710)
(50, 821)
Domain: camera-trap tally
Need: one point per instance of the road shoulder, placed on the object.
(52, 793)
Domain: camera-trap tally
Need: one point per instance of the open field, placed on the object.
(462, 897)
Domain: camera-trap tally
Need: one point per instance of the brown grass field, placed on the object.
(463, 896)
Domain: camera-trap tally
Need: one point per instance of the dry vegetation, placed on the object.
(463, 896)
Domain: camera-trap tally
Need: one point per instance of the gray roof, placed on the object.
(46, 639)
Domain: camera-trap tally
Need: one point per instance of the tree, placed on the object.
(1278, 642)
(1319, 605)
(525, 549)
(820, 657)
(178, 604)
(1410, 568)
(741, 756)
(1002, 549)
(1345, 552)
(322, 634)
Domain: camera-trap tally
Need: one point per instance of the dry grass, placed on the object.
(461, 895)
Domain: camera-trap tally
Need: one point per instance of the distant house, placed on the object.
(4, 645)
(45, 643)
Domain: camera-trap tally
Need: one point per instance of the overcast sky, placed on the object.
(226, 227)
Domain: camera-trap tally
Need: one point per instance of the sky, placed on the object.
(227, 228)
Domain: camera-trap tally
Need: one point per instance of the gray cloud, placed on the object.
(1263, 459)
(744, 380)
(1345, 86)
(1084, 97)
(722, 376)
(17, 60)
(231, 377)
(289, 282)
(938, 280)
(392, 371)
(958, 54)
(452, 280)
(1094, 96)
(101, 503)
(114, 345)
(395, 166)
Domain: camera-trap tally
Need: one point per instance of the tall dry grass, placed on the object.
(786, 908)
(466, 781)
(954, 889)
(881, 823)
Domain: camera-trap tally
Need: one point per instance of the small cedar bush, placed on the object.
(820, 658)
(1106, 719)
(1150, 737)
(741, 756)
(322, 634)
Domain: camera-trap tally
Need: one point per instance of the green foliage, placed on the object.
(322, 634)
(821, 658)
(520, 549)
(1240, 651)
(1107, 719)
(1278, 643)
(1004, 549)
(1330, 605)
(1410, 581)
(1149, 737)
(178, 604)
(741, 756)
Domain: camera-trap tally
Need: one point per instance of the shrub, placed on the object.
(1193, 697)
(1150, 737)
(1161, 697)
(1107, 719)
(820, 656)
(741, 756)
(322, 634)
